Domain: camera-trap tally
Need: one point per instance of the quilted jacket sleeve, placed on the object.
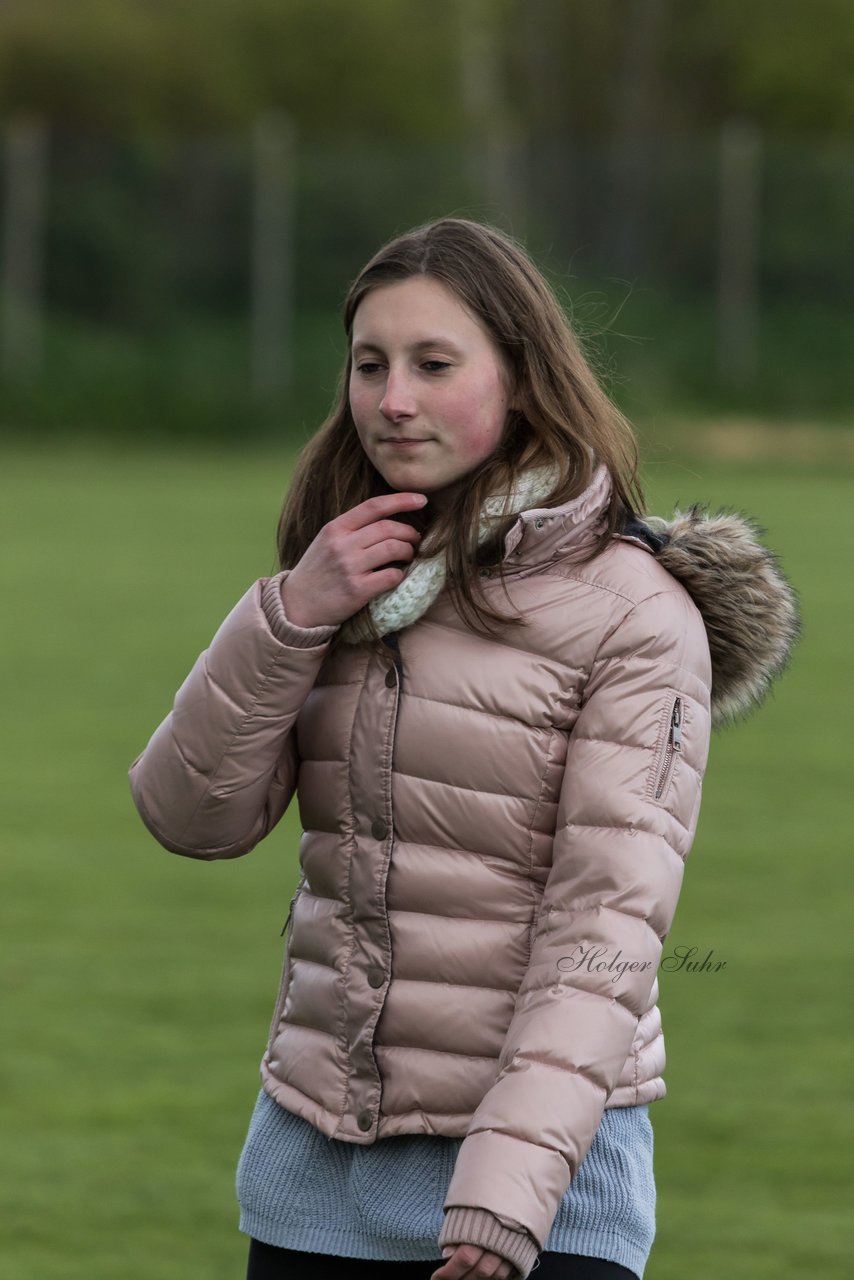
(220, 770)
(627, 814)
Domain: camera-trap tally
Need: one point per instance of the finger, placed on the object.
(382, 554)
(387, 529)
(375, 584)
(454, 1267)
(461, 1264)
(380, 506)
(490, 1267)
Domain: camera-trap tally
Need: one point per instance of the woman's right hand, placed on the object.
(339, 573)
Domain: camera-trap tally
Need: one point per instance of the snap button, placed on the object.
(364, 1120)
(390, 678)
(376, 976)
(379, 829)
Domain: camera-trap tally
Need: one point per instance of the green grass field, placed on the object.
(138, 986)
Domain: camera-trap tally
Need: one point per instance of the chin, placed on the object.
(408, 478)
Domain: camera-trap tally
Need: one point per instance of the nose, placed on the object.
(398, 401)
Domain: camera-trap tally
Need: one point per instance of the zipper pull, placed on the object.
(293, 903)
(287, 922)
(391, 639)
(676, 725)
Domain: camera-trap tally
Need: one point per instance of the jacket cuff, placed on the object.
(486, 1230)
(284, 630)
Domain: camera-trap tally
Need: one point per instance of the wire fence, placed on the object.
(214, 268)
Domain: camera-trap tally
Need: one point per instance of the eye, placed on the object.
(436, 366)
(367, 367)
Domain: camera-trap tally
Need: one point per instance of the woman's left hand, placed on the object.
(469, 1262)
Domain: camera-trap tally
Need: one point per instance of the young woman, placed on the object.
(490, 681)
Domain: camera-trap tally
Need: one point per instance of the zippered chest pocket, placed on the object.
(669, 748)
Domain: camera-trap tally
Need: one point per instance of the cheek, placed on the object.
(481, 411)
(358, 402)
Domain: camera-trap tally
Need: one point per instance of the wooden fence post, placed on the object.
(22, 278)
(738, 252)
(274, 185)
(495, 155)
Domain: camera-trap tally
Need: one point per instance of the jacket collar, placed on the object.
(543, 533)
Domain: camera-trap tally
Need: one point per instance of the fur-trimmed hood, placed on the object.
(749, 607)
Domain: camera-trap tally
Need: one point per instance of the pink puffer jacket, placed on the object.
(494, 838)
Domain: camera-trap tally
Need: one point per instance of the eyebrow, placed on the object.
(423, 344)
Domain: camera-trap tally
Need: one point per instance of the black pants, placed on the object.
(269, 1263)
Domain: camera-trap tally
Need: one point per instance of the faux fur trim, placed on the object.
(749, 607)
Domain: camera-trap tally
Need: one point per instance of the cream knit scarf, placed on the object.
(412, 597)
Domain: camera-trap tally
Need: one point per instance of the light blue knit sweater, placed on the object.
(300, 1190)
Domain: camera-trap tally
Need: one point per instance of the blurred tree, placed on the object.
(785, 63)
(113, 65)
(587, 69)
(393, 65)
(636, 126)
(152, 65)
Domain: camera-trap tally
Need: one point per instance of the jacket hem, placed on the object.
(331, 1123)
(451, 1125)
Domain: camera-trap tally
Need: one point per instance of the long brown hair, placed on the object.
(564, 417)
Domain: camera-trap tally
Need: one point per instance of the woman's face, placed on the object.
(429, 390)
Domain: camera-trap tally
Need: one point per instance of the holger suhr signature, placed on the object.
(595, 959)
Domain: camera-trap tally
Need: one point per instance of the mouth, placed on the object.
(402, 441)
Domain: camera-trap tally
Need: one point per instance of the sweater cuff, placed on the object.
(503, 1236)
(285, 631)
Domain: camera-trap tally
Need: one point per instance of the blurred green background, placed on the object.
(188, 188)
(186, 191)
